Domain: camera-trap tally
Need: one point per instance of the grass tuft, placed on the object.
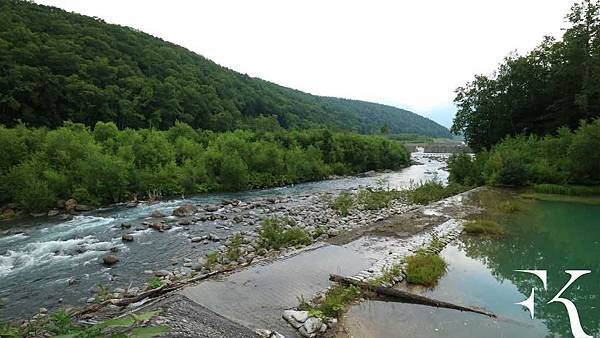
(481, 227)
(154, 283)
(278, 233)
(336, 300)
(569, 190)
(343, 203)
(388, 276)
(424, 269)
(431, 191)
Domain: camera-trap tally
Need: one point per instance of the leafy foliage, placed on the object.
(106, 165)
(556, 84)
(60, 325)
(154, 283)
(57, 66)
(431, 191)
(566, 158)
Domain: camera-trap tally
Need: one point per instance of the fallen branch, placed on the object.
(404, 296)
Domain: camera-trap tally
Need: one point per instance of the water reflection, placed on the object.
(547, 235)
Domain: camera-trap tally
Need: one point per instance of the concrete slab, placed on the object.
(257, 296)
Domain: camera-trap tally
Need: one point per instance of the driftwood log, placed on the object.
(404, 296)
(122, 302)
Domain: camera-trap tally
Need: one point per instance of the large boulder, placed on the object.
(184, 210)
(70, 205)
(110, 259)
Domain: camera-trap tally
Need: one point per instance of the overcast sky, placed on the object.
(411, 54)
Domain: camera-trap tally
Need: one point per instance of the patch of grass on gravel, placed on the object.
(278, 233)
(432, 191)
(337, 299)
(343, 203)
(424, 269)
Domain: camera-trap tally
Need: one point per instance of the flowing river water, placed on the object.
(50, 262)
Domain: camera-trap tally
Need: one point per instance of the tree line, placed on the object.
(105, 164)
(556, 84)
(568, 157)
(57, 66)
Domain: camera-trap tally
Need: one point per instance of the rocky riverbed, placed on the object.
(50, 262)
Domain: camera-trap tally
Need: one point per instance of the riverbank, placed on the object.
(53, 255)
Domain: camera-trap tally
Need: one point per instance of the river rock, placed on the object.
(295, 316)
(198, 239)
(184, 210)
(125, 225)
(83, 208)
(8, 213)
(161, 273)
(127, 238)
(211, 208)
(370, 173)
(157, 226)
(131, 204)
(312, 325)
(70, 204)
(53, 212)
(185, 221)
(157, 214)
(110, 259)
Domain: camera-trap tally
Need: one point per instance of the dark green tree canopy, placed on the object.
(556, 84)
(57, 66)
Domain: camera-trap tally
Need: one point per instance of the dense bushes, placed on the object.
(105, 165)
(566, 158)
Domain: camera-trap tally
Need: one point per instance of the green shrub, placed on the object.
(375, 199)
(337, 298)
(278, 233)
(343, 203)
(467, 170)
(483, 227)
(424, 269)
(154, 283)
(233, 250)
(107, 165)
(431, 191)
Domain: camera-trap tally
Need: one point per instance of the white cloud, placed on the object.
(412, 52)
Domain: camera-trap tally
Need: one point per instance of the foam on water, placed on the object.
(13, 238)
(49, 252)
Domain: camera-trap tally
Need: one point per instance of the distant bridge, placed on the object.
(449, 147)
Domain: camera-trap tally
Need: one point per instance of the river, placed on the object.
(50, 262)
(552, 236)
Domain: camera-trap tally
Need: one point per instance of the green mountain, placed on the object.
(57, 66)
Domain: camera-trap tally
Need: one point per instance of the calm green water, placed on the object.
(553, 236)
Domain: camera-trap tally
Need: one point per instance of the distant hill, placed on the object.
(57, 66)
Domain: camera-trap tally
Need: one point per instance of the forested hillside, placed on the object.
(57, 66)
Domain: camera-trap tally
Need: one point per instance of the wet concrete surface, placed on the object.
(257, 296)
